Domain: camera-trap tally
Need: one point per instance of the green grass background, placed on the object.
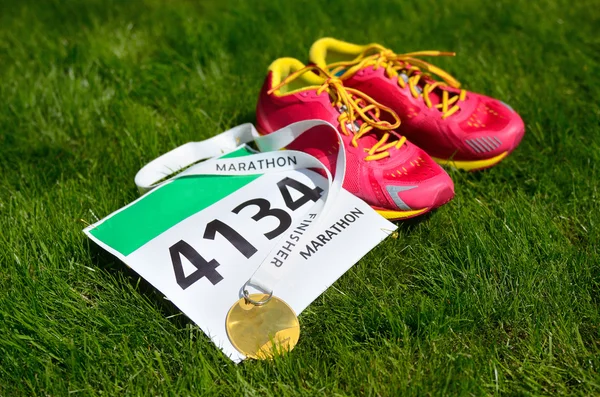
(495, 293)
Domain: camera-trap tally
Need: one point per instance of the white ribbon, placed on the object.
(267, 274)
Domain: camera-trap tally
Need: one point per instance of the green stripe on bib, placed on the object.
(166, 206)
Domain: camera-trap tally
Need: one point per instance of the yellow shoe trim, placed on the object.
(284, 67)
(318, 51)
(472, 165)
(393, 215)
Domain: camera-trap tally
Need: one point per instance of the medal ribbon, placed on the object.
(267, 274)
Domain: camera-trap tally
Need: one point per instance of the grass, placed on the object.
(495, 293)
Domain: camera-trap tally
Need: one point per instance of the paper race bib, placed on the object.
(199, 238)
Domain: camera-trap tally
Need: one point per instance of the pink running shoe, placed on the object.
(395, 177)
(465, 129)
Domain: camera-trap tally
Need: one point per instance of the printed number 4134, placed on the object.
(208, 268)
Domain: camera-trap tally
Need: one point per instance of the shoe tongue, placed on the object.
(435, 96)
(366, 141)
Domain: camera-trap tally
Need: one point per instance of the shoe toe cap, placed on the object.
(431, 193)
(497, 131)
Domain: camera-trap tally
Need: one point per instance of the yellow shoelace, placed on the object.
(407, 65)
(351, 104)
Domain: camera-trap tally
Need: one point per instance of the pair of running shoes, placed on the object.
(365, 91)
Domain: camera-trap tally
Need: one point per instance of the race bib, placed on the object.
(199, 238)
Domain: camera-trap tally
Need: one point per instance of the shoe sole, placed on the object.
(475, 165)
(392, 215)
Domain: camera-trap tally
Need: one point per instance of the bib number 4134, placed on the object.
(208, 269)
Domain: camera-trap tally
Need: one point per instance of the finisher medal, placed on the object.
(262, 331)
(262, 325)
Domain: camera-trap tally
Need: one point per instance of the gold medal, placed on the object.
(263, 330)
